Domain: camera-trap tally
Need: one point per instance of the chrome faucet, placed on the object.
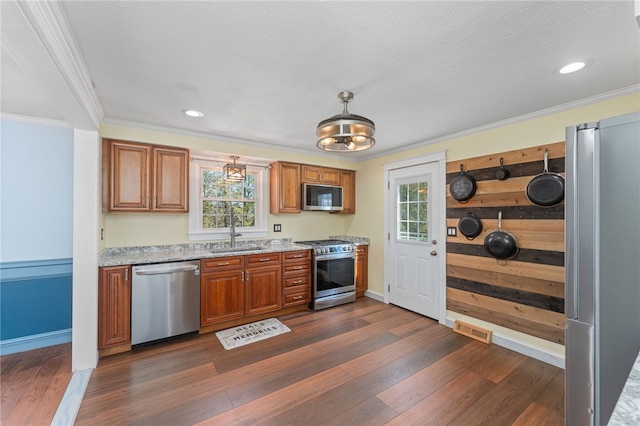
(232, 229)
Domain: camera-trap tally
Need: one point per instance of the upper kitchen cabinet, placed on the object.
(348, 178)
(142, 177)
(285, 188)
(315, 174)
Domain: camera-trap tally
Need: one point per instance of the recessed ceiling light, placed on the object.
(193, 113)
(572, 67)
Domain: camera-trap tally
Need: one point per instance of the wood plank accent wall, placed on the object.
(525, 293)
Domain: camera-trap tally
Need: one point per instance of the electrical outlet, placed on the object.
(277, 227)
(452, 231)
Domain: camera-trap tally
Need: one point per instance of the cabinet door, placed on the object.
(264, 289)
(221, 297)
(285, 188)
(129, 168)
(315, 174)
(362, 270)
(114, 306)
(349, 191)
(170, 179)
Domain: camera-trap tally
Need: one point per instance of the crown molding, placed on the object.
(525, 117)
(50, 25)
(34, 120)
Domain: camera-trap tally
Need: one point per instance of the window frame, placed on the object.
(196, 231)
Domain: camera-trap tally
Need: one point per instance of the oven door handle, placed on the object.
(334, 256)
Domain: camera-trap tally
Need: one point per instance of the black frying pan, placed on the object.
(462, 187)
(501, 244)
(546, 189)
(502, 173)
(470, 226)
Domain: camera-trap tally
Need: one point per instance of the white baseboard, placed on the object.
(35, 341)
(72, 398)
(524, 348)
(375, 296)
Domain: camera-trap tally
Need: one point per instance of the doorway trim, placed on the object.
(439, 227)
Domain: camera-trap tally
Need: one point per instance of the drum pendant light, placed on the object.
(345, 132)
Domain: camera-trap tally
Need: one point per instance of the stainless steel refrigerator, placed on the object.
(602, 231)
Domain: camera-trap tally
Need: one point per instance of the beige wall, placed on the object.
(142, 229)
(368, 221)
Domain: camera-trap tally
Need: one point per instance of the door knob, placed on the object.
(434, 242)
(434, 253)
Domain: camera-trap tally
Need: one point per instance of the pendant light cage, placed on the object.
(345, 132)
(235, 172)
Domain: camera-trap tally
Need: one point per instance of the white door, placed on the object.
(414, 248)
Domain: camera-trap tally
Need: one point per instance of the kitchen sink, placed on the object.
(235, 249)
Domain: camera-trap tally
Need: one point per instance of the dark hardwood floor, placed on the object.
(364, 363)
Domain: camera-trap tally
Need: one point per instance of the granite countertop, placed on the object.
(359, 241)
(182, 252)
(627, 411)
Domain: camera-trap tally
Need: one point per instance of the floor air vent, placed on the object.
(472, 331)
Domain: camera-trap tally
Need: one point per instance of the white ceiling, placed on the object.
(268, 72)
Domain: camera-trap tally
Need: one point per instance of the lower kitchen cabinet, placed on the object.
(221, 289)
(236, 287)
(362, 269)
(264, 287)
(296, 278)
(114, 306)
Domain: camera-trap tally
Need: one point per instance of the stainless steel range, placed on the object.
(334, 278)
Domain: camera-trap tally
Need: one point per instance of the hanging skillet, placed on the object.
(470, 226)
(546, 189)
(462, 187)
(500, 244)
(502, 173)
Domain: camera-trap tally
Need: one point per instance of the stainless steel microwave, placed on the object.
(321, 197)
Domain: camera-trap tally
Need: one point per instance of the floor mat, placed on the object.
(249, 333)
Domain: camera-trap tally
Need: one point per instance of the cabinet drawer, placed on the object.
(296, 267)
(263, 259)
(298, 280)
(294, 256)
(296, 297)
(220, 263)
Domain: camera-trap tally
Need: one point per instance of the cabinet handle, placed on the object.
(296, 256)
(242, 279)
(265, 259)
(126, 275)
(297, 297)
(247, 275)
(298, 267)
(297, 282)
(223, 263)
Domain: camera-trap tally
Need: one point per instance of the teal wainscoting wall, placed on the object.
(35, 304)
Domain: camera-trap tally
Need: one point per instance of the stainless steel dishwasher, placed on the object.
(165, 300)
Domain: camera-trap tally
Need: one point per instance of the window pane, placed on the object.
(412, 210)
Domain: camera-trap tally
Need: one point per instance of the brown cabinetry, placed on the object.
(348, 178)
(142, 177)
(114, 306)
(284, 188)
(234, 287)
(287, 178)
(296, 278)
(321, 175)
(263, 283)
(222, 295)
(362, 270)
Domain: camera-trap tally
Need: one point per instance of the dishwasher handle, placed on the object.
(165, 271)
